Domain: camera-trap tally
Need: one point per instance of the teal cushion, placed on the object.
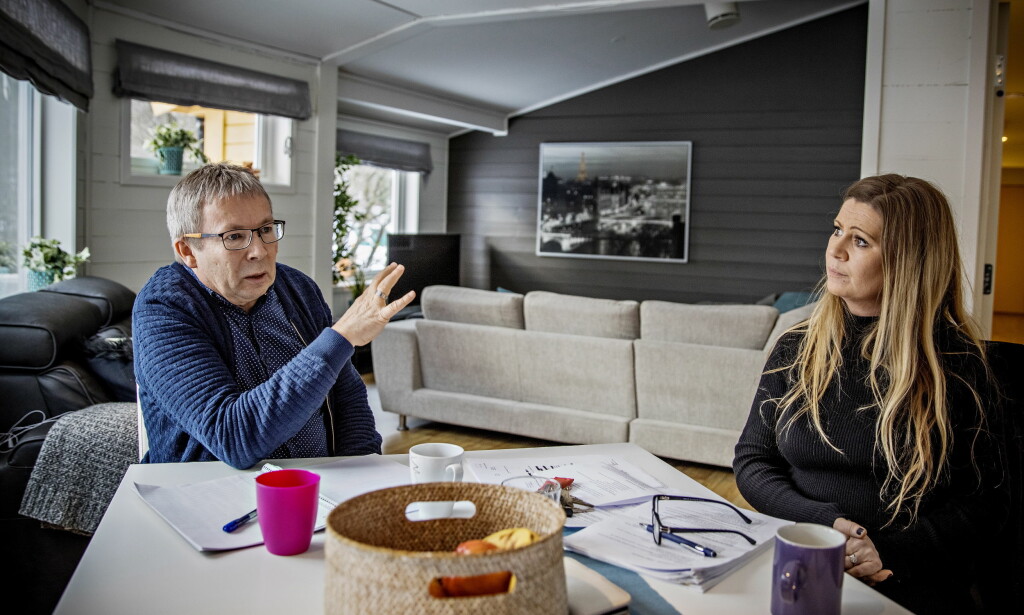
(791, 300)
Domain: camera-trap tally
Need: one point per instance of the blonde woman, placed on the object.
(873, 416)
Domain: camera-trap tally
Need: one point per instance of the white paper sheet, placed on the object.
(597, 480)
(199, 511)
(623, 541)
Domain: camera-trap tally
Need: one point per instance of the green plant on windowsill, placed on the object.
(169, 142)
(346, 213)
(47, 262)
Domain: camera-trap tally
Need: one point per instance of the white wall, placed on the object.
(926, 95)
(125, 226)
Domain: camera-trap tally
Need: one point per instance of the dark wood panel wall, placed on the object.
(776, 131)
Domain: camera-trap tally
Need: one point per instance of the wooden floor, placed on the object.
(719, 480)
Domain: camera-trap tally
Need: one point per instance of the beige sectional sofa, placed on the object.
(676, 379)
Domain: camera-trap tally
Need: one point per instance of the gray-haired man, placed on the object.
(236, 356)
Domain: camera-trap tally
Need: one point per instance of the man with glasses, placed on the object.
(236, 356)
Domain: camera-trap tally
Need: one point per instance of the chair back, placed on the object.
(1003, 583)
(143, 438)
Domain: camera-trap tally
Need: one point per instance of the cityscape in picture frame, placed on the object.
(615, 200)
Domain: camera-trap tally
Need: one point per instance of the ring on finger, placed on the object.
(381, 295)
(853, 558)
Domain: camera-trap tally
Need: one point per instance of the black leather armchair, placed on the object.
(62, 348)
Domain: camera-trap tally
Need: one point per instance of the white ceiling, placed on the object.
(449, 65)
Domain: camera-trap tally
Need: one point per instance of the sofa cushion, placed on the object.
(36, 326)
(787, 320)
(710, 386)
(473, 306)
(733, 326)
(552, 423)
(474, 359)
(585, 373)
(544, 311)
(66, 386)
(680, 440)
(791, 300)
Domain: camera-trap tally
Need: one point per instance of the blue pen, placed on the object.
(239, 522)
(251, 515)
(701, 549)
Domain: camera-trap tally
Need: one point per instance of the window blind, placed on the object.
(44, 43)
(154, 74)
(386, 152)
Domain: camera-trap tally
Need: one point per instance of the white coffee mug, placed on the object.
(431, 463)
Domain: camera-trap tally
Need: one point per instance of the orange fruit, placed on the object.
(471, 547)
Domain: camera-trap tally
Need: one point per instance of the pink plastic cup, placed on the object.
(286, 505)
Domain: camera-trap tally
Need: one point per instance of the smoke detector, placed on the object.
(721, 14)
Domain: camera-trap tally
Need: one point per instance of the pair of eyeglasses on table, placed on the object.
(661, 531)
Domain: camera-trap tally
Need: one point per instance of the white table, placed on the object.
(136, 563)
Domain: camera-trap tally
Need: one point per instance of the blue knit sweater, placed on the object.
(194, 409)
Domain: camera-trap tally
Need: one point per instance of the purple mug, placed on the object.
(807, 572)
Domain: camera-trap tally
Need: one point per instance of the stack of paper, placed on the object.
(198, 511)
(615, 532)
(624, 541)
(608, 484)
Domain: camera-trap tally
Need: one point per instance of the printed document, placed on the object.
(597, 480)
(199, 511)
(623, 540)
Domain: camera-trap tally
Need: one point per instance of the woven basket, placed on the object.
(378, 561)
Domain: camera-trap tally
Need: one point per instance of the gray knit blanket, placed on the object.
(80, 465)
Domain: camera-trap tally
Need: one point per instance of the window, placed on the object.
(261, 141)
(37, 190)
(18, 219)
(388, 203)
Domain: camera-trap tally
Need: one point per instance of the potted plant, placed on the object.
(47, 262)
(346, 270)
(170, 141)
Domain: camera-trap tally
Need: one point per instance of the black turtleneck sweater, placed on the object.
(796, 476)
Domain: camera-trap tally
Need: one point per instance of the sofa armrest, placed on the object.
(37, 326)
(114, 300)
(396, 364)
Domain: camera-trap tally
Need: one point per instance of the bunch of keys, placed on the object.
(570, 503)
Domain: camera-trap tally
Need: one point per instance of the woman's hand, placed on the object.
(862, 559)
(366, 317)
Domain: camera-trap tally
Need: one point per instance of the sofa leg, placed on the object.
(401, 423)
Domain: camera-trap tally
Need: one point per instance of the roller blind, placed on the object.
(44, 43)
(386, 151)
(154, 74)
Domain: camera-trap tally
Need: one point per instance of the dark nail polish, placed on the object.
(860, 531)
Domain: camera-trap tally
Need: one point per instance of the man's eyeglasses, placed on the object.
(240, 238)
(659, 529)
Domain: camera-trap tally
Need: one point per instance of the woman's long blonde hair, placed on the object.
(922, 293)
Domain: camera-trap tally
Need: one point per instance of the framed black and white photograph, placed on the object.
(615, 200)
